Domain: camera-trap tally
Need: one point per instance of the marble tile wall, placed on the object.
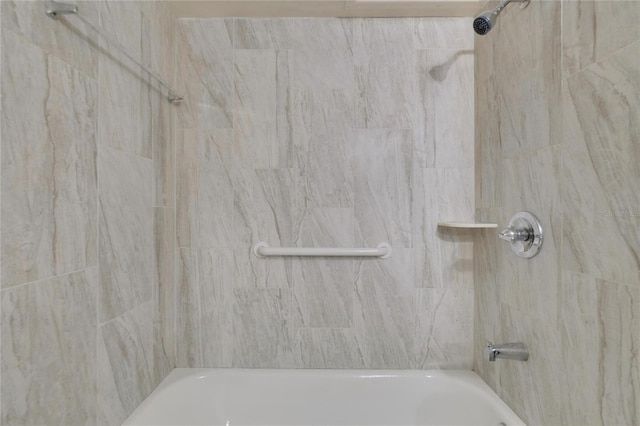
(558, 134)
(324, 132)
(88, 213)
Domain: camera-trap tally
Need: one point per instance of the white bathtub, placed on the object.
(322, 397)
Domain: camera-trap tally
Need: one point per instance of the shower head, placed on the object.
(485, 22)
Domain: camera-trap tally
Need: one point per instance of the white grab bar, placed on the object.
(262, 249)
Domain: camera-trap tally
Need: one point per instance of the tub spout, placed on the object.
(517, 351)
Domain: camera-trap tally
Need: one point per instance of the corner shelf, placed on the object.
(467, 225)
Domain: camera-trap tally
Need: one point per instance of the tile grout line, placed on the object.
(228, 346)
(596, 62)
(100, 325)
(1, 246)
(98, 278)
(53, 277)
(174, 192)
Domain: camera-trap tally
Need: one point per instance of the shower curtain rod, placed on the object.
(55, 9)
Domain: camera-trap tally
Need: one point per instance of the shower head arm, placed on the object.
(501, 6)
(506, 2)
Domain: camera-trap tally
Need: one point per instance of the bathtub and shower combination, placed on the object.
(231, 397)
(227, 397)
(210, 396)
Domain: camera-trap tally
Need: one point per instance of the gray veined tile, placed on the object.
(489, 278)
(375, 38)
(532, 183)
(255, 107)
(164, 147)
(188, 85)
(541, 372)
(600, 168)
(323, 287)
(164, 297)
(443, 33)
(125, 364)
(520, 135)
(123, 111)
(49, 352)
(581, 186)
(331, 348)
(211, 151)
(606, 253)
(265, 202)
(323, 54)
(444, 257)
(250, 271)
(446, 81)
(48, 165)
(150, 90)
(572, 322)
(284, 109)
(71, 43)
(438, 186)
(598, 328)
(322, 132)
(619, 316)
(122, 20)
(485, 49)
(513, 327)
(529, 102)
(580, 334)
(592, 30)
(423, 126)
(263, 334)
(381, 162)
(125, 101)
(162, 57)
(445, 260)
(488, 284)
(204, 188)
(488, 146)
(159, 130)
(385, 74)
(126, 234)
(203, 307)
(264, 33)
(163, 26)
(384, 309)
(302, 186)
(442, 118)
(188, 165)
(444, 328)
(205, 73)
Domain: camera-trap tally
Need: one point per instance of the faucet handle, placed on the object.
(507, 235)
(524, 234)
(512, 234)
